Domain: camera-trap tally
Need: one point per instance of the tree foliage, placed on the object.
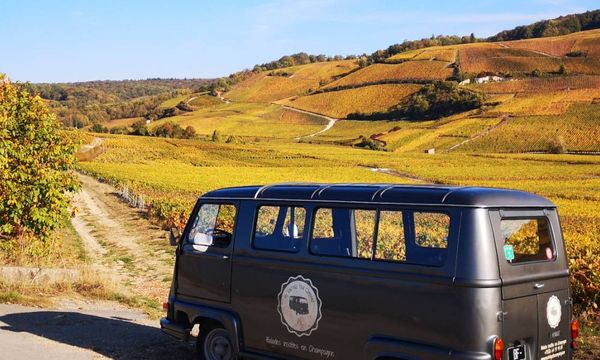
(560, 26)
(432, 101)
(36, 162)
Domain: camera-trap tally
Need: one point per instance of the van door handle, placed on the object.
(538, 285)
(225, 257)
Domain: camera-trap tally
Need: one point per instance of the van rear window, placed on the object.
(527, 240)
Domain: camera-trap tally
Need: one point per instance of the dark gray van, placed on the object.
(366, 271)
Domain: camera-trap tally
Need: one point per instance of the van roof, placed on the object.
(386, 193)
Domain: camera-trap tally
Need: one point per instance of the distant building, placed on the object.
(430, 151)
(465, 82)
(486, 79)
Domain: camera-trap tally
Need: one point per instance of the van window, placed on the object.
(527, 240)
(351, 233)
(343, 232)
(213, 225)
(391, 244)
(432, 229)
(279, 228)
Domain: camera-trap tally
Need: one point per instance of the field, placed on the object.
(247, 119)
(368, 99)
(576, 130)
(170, 174)
(268, 86)
(409, 70)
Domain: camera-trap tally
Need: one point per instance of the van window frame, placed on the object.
(302, 239)
(409, 231)
(528, 271)
(525, 217)
(185, 244)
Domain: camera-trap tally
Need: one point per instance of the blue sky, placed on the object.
(58, 41)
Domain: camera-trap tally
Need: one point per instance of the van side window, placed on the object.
(527, 240)
(391, 244)
(213, 225)
(415, 237)
(279, 228)
(432, 229)
(343, 232)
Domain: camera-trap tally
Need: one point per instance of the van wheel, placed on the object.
(215, 344)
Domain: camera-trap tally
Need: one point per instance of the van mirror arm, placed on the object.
(174, 236)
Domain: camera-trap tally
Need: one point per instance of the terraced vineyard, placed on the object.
(406, 71)
(368, 99)
(297, 80)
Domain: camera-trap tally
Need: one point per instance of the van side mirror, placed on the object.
(174, 236)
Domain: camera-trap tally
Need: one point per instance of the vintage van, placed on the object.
(369, 271)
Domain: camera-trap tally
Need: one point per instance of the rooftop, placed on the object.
(387, 193)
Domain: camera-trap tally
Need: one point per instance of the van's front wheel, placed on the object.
(215, 344)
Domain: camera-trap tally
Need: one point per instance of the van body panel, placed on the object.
(205, 272)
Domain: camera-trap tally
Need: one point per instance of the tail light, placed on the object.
(498, 348)
(166, 306)
(574, 332)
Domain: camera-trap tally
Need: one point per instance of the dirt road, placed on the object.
(128, 250)
(330, 121)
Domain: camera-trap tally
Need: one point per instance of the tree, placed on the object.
(189, 132)
(36, 168)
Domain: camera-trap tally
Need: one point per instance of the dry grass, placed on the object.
(406, 71)
(368, 99)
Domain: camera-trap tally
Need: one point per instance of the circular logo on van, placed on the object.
(553, 311)
(299, 306)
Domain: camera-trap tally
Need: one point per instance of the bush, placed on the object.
(189, 133)
(99, 128)
(36, 163)
(368, 143)
(576, 53)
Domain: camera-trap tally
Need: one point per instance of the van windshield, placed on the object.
(527, 239)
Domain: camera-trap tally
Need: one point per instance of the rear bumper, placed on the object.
(175, 330)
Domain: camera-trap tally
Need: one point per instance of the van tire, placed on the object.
(215, 343)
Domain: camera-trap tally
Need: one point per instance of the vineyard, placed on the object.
(368, 99)
(524, 134)
(169, 174)
(278, 84)
(409, 70)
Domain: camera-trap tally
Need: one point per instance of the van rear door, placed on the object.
(535, 298)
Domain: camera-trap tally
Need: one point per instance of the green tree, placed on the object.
(36, 163)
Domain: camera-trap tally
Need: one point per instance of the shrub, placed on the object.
(189, 133)
(576, 53)
(369, 143)
(99, 128)
(36, 162)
